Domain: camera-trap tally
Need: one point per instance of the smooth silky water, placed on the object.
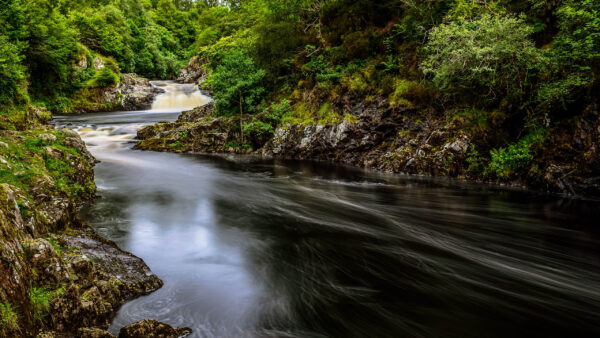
(260, 248)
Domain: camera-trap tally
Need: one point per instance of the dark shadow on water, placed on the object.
(250, 247)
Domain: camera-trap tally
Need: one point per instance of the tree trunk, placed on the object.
(241, 129)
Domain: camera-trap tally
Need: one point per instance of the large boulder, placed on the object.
(194, 72)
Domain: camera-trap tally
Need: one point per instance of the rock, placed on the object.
(48, 138)
(98, 62)
(50, 268)
(94, 332)
(132, 93)
(195, 131)
(460, 145)
(197, 113)
(137, 92)
(103, 278)
(82, 63)
(152, 328)
(193, 72)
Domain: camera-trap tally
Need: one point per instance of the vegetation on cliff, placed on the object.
(518, 79)
(51, 51)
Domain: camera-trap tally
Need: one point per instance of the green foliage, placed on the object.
(476, 164)
(278, 110)
(259, 132)
(506, 161)
(575, 54)
(12, 71)
(235, 145)
(493, 56)
(103, 78)
(236, 84)
(40, 299)
(59, 249)
(320, 68)
(8, 318)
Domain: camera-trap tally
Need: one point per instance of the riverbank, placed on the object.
(397, 139)
(58, 278)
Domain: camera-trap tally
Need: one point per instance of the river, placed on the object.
(249, 247)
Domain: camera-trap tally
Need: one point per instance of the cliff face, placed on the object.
(56, 275)
(193, 72)
(400, 140)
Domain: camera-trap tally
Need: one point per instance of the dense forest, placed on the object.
(521, 66)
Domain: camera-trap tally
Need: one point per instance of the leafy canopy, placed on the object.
(236, 84)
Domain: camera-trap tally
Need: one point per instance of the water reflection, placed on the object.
(256, 248)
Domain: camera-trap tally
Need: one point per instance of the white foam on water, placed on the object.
(178, 97)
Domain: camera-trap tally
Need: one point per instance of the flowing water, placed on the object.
(259, 248)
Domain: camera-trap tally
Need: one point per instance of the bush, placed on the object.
(259, 132)
(505, 161)
(492, 56)
(103, 78)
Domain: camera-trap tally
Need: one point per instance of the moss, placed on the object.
(9, 319)
(59, 249)
(402, 91)
(350, 118)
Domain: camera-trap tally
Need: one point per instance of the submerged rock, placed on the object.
(153, 328)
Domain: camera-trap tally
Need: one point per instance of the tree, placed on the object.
(12, 72)
(236, 83)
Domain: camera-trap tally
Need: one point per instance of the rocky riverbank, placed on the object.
(131, 93)
(398, 139)
(57, 277)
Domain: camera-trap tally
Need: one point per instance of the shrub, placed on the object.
(278, 110)
(259, 132)
(505, 161)
(236, 84)
(575, 54)
(103, 78)
(492, 56)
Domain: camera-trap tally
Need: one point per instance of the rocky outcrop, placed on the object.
(428, 143)
(411, 140)
(194, 72)
(132, 93)
(197, 130)
(380, 137)
(56, 274)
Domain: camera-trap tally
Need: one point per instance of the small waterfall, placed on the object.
(178, 97)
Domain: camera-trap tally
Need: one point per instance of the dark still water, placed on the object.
(255, 248)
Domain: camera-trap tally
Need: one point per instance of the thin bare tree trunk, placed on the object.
(241, 112)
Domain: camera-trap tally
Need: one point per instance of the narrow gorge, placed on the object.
(299, 168)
